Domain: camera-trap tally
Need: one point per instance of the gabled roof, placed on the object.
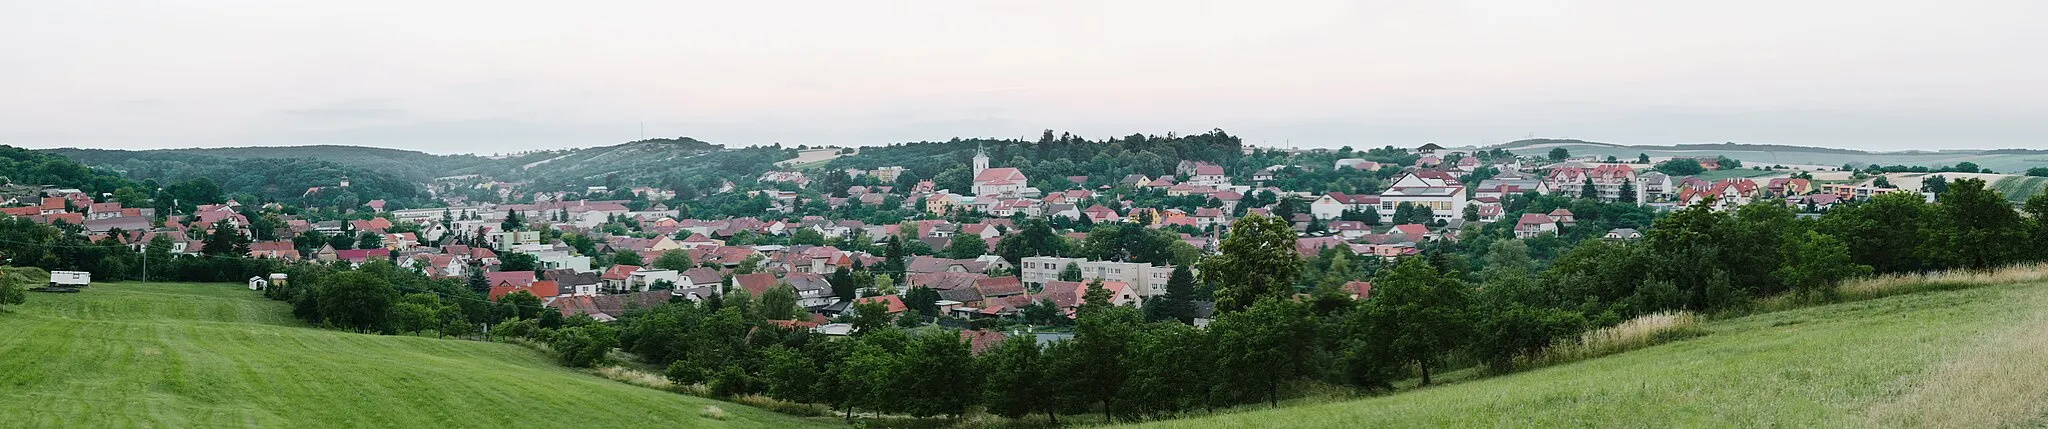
(620, 272)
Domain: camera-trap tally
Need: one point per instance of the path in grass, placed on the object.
(212, 355)
(1828, 366)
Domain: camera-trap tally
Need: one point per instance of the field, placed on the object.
(1752, 155)
(213, 355)
(1964, 358)
(2019, 188)
(1739, 173)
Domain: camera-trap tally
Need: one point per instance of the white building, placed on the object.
(1436, 190)
(1145, 279)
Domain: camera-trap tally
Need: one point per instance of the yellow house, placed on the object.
(938, 204)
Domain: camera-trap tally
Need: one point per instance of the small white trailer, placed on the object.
(70, 278)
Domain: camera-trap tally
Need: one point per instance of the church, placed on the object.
(1001, 182)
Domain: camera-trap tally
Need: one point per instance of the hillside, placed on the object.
(214, 355)
(408, 165)
(1966, 358)
(653, 162)
(2004, 160)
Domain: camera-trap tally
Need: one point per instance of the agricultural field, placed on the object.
(1789, 155)
(218, 355)
(1959, 358)
(2019, 188)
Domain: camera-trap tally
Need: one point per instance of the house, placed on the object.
(575, 283)
(1355, 163)
(1334, 204)
(617, 278)
(545, 290)
(1607, 179)
(1532, 224)
(510, 278)
(1206, 174)
(1428, 149)
(1437, 191)
(1099, 214)
(644, 279)
(1359, 290)
(892, 303)
(1623, 234)
(1069, 296)
(980, 341)
(609, 307)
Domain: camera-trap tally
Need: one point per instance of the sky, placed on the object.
(504, 76)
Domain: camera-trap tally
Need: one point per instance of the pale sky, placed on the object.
(499, 76)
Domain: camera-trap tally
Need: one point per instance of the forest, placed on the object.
(266, 179)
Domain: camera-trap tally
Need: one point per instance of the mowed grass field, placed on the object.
(1966, 358)
(2020, 188)
(218, 355)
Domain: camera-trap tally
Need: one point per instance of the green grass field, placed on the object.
(214, 355)
(2019, 188)
(1966, 358)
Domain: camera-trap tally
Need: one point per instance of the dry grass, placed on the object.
(2002, 381)
(1643, 331)
(712, 412)
(1899, 284)
(786, 407)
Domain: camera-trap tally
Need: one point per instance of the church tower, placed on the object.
(980, 160)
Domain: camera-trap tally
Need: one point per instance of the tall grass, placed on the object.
(1900, 284)
(1643, 331)
(1998, 382)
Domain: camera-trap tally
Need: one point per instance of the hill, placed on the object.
(411, 166)
(2003, 160)
(213, 355)
(653, 162)
(1964, 358)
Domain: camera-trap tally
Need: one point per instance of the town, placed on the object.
(1352, 245)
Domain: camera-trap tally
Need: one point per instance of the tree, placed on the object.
(1095, 374)
(356, 300)
(1559, 154)
(478, 282)
(869, 316)
(1727, 163)
(1642, 158)
(1884, 232)
(626, 257)
(674, 259)
(224, 241)
(369, 241)
(1416, 315)
(922, 300)
(1977, 227)
(14, 283)
(2038, 172)
(524, 305)
(1814, 265)
(779, 303)
(1587, 190)
(1269, 343)
(807, 236)
(1017, 383)
(417, 312)
(1627, 194)
(1178, 302)
(965, 246)
(933, 385)
(583, 346)
(1072, 273)
(513, 221)
(1681, 167)
(1935, 184)
(518, 261)
(1257, 260)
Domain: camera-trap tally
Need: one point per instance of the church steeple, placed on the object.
(980, 160)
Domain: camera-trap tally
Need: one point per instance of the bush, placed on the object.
(584, 346)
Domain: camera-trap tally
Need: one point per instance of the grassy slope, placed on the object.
(1966, 358)
(2021, 187)
(212, 355)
